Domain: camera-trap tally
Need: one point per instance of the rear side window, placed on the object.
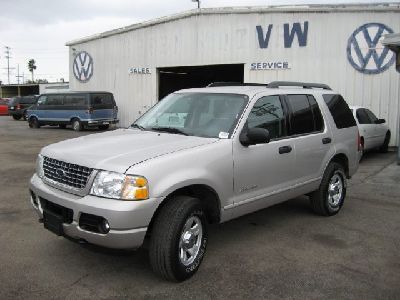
(28, 100)
(340, 111)
(267, 113)
(75, 100)
(102, 101)
(318, 121)
(371, 116)
(301, 120)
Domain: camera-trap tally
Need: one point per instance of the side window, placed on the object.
(318, 120)
(340, 111)
(301, 120)
(267, 113)
(371, 116)
(54, 100)
(362, 116)
(75, 100)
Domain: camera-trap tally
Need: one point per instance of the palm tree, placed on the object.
(31, 66)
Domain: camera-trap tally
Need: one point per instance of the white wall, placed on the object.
(232, 38)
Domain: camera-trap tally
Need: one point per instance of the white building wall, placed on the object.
(231, 38)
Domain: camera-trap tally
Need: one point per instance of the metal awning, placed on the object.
(392, 41)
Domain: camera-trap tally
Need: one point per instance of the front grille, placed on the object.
(65, 173)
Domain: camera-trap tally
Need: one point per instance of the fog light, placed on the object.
(105, 226)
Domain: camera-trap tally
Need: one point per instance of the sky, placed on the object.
(39, 29)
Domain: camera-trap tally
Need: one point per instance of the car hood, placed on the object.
(120, 149)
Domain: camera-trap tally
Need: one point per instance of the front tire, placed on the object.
(178, 239)
(329, 198)
(34, 122)
(385, 146)
(76, 125)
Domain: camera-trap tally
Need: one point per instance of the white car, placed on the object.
(374, 132)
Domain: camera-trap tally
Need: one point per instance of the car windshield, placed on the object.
(199, 114)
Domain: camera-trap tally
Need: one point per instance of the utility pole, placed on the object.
(7, 56)
(19, 76)
(198, 3)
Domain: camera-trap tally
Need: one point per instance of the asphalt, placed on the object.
(284, 251)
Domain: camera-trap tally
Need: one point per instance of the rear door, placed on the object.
(310, 136)
(379, 130)
(367, 130)
(102, 105)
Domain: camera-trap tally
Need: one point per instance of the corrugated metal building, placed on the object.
(337, 45)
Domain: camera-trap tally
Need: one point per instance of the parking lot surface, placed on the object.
(281, 252)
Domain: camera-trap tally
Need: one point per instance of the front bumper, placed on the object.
(128, 219)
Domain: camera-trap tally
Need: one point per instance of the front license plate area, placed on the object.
(106, 123)
(53, 222)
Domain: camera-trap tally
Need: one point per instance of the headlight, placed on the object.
(119, 186)
(39, 166)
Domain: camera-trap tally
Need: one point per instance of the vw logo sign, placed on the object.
(83, 66)
(365, 51)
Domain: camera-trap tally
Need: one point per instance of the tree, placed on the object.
(31, 66)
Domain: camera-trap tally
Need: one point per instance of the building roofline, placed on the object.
(356, 7)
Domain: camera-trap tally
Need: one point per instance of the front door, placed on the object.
(264, 169)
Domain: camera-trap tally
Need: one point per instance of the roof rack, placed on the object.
(304, 85)
(222, 83)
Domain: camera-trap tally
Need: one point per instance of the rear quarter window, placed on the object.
(102, 101)
(340, 111)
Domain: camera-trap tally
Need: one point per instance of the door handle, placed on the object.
(326, 140)
(285, 149)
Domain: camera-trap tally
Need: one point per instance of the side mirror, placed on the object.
(254, 136)
(380, 121)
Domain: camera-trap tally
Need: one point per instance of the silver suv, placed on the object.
(200, 156)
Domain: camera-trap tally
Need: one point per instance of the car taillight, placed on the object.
(18, 106)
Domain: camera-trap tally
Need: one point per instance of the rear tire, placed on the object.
(329, 198)
(16, 117)
(76, 125)
(178, 239)
(34, 122)
(385, 146)
(104, 127)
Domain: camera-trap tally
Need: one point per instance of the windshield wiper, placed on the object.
(169, 130)
(134, 125)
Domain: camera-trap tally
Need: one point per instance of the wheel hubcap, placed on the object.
(335, 190)
(76, 125)
(190, 240)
